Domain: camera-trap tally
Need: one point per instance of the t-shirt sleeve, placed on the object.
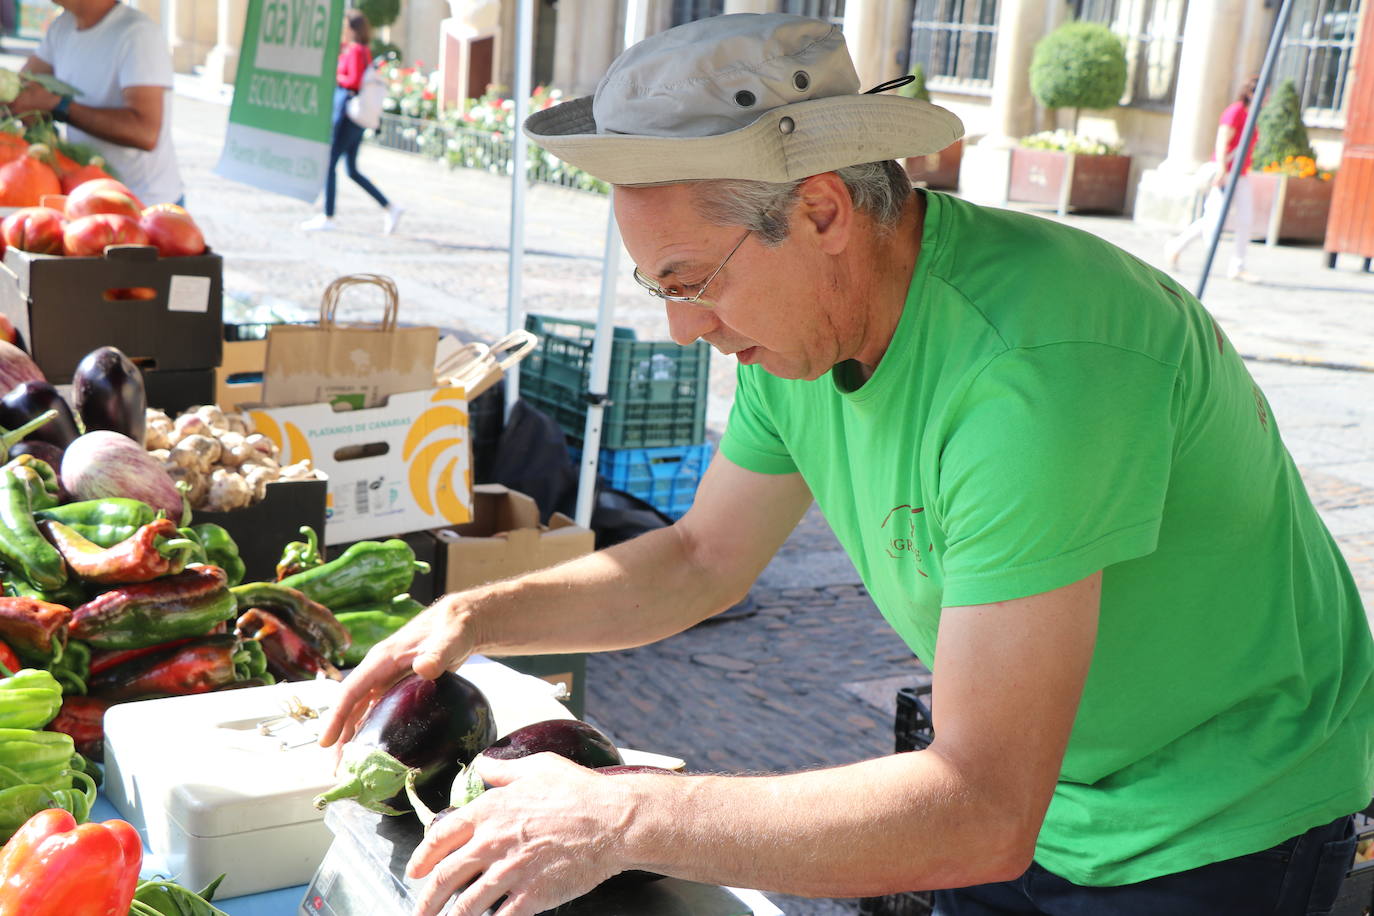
(1234, 116)
(146, 60)
(751, 439)
(1054, 465)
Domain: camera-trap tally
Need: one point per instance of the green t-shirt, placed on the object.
(1050, 406)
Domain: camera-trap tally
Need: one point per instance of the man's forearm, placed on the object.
(627, 595)
(124, 126)
(906, 822)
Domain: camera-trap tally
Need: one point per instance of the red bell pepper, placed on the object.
(52, 867)
(154, 551)
(9, 659)
(83, 718)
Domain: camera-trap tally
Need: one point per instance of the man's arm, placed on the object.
(965, 811)
(137, 124)
(634, 593)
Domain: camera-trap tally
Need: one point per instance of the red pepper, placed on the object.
(31, 625)
(289, 657)
(52, 867)
(83, 718)
(105, 659)
(9, 659)
(138, 558)
(195, 666)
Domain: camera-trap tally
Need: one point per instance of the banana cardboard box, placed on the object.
(404, 466)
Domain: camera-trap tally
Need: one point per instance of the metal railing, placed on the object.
(472, 148)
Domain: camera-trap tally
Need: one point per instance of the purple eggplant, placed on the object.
(108, 393)
(422, 730)
(29, 399)
(577, 741)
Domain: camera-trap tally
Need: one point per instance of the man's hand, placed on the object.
(546, 833)
(33, 97)
(434, 641)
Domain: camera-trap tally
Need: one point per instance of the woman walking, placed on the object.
(1229, 129)
(354, 60)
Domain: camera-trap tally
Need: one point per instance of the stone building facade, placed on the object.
(1187, 59)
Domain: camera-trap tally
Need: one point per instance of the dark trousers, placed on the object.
(1298, 877)
(346, 140)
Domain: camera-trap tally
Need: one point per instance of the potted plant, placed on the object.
(936, 170)
(1287, 183)
(1078, 65)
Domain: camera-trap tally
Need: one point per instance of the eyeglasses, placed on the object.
(656, 290)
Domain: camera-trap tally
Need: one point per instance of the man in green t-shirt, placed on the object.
(1153, 677)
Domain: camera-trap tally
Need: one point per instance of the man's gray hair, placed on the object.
(879, 189)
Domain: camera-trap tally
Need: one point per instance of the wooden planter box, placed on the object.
(1094, 182)
(1297, 207)
(938, 170)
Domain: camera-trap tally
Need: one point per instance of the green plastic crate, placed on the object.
(657, 389)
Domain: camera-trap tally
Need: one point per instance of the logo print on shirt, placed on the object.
(900, 528)
(1260, 410)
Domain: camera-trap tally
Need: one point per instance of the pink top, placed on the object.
(1234, 117)
(354, 60)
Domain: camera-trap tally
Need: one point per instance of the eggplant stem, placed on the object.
(422, 811)
(12, 436)
(375, 777)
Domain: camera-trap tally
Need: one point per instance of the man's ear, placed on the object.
(826, 211)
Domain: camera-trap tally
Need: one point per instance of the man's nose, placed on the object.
(688, 322)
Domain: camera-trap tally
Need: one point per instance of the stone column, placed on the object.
(589, 37)
(865, 32)
(420, 32)
(1167, 196)
(180, 25)
(221, 65)
(1020, 25)
(986, 168)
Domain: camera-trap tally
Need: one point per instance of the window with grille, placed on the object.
(831, 10)
(1153, 33)
(690, 10)
(953, 41)
(1315, 54)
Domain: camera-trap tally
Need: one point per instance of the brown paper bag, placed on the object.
(357, 365)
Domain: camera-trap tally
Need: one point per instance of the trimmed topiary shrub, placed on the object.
(916, 89)
(1079, 65)
(1281, 131)
(379, 13)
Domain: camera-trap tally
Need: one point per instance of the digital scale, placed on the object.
(363, 874)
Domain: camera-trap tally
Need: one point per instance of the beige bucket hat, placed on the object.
(769, 97)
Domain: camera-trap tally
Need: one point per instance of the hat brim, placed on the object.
(826, 134)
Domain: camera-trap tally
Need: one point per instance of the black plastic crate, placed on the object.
(913, 729)
(656, 389)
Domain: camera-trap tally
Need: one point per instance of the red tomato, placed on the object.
(172, 230)
(90, 235)
(103, 195)
(35, 229)
(8, 658)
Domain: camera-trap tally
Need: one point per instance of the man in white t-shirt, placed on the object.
(118, 59)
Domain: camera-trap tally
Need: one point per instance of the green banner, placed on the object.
(281, 118)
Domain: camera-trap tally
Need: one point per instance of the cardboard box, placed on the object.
(505, 539)
(64, 308)
(264, 528)
(404, 466)
(239, 377)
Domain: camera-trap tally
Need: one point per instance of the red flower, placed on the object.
(427, 96)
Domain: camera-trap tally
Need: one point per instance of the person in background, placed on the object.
(118, 60)
(355, 57)
(1229, 130)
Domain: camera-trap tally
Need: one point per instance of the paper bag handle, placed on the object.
(512, 348)
(329, 302)
(460, 359)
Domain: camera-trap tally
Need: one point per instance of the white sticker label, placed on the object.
(189, 294)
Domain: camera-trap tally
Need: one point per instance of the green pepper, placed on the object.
(367, 572)
(69, 595)
(22, 548)
(151, 613)
(298, 556)
(21, 802)
(221, 550)
(102, 521)
(370, 626)
(72, 667)
(35, 756)
(250, 661)
(167, 898)
(79, 797)
(195, 553)
(41, 495)
(29, 699)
